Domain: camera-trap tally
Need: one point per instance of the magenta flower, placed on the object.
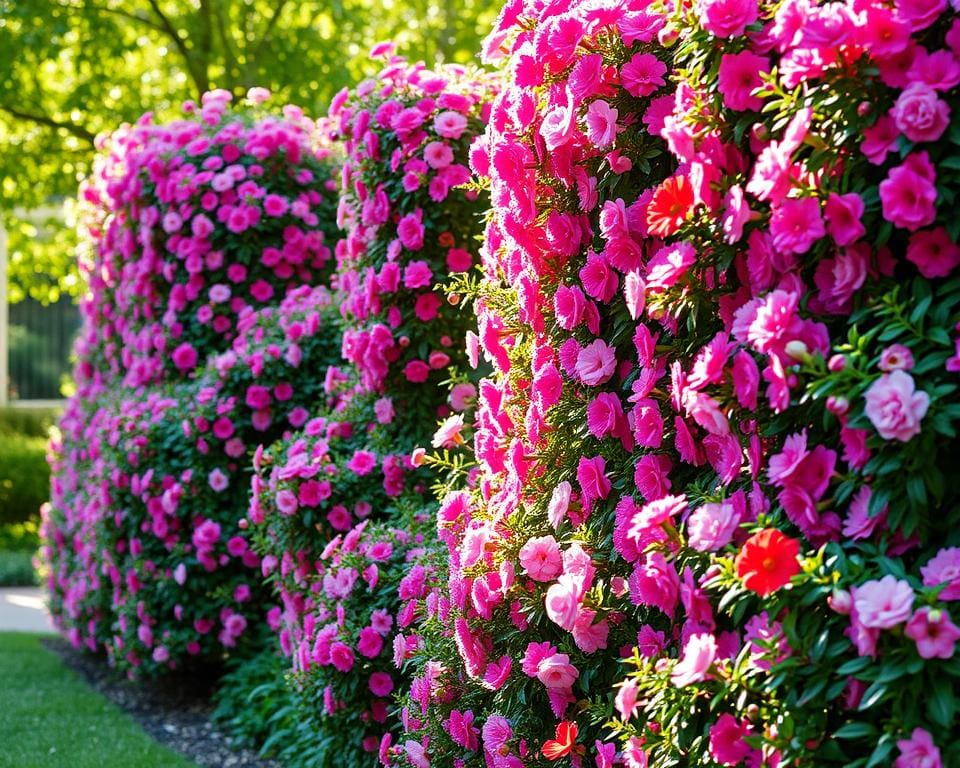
(918, 751)
(933, 632)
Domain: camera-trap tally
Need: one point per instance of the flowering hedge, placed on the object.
(409, 227)
(717, 443)
(171, 486)
(191, 222)
(196, 228)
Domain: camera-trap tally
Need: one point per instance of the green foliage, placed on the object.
(256, 705)
(33, 422)
(53, 720)
(16, 569)
(24, 477)
(71, 69)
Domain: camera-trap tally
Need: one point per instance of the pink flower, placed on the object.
(669, 264)
(655, 582)
(594, 484)
(879, 140)
(918, 751)
(410, 230)
(908, 196)
(558, 124)
(416, 371)
(711, 526)
(944, 568)
(726, 18)
(935, 635)
(843, 213)
(739, 77)
(698, 656)
(362, 462)
(369, 643)
(643, 74)
(896, 357)
(883, 603)
(417, 274)
(556, 671)
(596, 363)
(569, 304)
(450, 124)
(796, 225)
(727, 745)
(496, 732)
(341, 656)
(919, 114)
(461, 729)
(894, 407)
(218, 480)
(381, 684)
(934, 253)
(540, 558)
(599, 280)
(605, 415)
(559, 503)
(562, 604)
(184, 357)
(601, 122)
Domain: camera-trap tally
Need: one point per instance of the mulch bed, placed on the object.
(175, 712)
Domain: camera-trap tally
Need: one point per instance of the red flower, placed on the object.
(565, 742)
(767, 561)
(670, 206)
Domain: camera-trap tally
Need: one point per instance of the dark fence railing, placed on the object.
(39, 345)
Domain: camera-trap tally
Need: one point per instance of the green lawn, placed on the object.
(50, 718)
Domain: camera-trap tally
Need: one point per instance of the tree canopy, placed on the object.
(72, 69)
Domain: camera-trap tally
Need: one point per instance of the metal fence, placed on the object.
(35, 344)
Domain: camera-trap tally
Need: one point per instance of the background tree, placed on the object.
(71, 69)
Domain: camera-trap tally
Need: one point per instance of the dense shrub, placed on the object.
(24, 477)
(147, 556)
(718, 300)
(191, 223)
(409, 227)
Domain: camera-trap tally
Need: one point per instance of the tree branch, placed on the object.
(72, 128)
(197, 73)
(252, 58)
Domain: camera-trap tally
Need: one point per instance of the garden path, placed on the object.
(23, 609)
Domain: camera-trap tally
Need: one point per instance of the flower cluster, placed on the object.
(198, 229)
(718, 303)
(361, 596)
(193, 221)
(409, 226)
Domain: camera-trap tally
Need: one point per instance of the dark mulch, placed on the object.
(175, 712)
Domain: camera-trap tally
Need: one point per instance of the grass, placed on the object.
(49, 718)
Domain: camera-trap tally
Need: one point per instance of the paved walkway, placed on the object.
(22, 609)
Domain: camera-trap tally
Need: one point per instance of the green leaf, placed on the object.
(855, 731)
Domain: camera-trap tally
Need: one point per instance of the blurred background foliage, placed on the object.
(71, 69)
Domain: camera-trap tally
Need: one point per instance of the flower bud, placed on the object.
(864, 108)
(418, 457)
(404, 341)
(841, 601)
(837, 363)
(797, 350)
(838, 406)
(667, 36)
